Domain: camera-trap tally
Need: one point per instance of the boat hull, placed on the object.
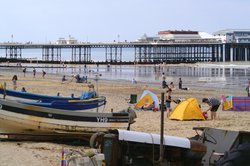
(91, 105)
(32, 96)
(21, 118)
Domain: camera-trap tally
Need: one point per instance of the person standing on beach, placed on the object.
(248, 88)
(164, 83)
(43, 73)
(180, 83)
(14, 80)
(24, 71)
(214, 104)
(34, 72)
(168, 102)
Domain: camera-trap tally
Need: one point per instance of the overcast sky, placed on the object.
(105, 20)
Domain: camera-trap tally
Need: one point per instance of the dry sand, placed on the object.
(40, 154)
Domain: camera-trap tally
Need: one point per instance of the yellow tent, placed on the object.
(188, 109)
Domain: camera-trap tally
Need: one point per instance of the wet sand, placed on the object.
(40, 154)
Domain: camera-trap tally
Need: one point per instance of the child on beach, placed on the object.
(14, 80)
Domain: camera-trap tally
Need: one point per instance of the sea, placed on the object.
(220, 75)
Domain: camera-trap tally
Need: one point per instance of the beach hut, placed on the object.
(188, 109)
(146, 98)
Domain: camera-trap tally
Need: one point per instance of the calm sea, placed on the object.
(219, 75)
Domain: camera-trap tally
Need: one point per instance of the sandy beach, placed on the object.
(116, 92)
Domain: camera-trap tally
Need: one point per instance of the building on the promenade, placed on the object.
(180, 36)
(234, 35)
(186, 36)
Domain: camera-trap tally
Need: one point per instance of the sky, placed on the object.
(42, 21)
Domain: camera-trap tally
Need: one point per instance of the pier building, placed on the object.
(234, 35)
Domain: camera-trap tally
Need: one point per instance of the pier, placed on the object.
(143, 52)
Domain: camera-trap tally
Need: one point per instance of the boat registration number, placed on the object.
(102, 119)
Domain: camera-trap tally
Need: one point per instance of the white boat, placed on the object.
(18, 117)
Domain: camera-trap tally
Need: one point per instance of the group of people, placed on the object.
(34, 72)
(171, 85)
(213, 103)
(14, 78)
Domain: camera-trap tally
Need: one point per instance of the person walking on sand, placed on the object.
(34, 72)
(43, 73)
(248, 88)
(24, 71)
(14, 80)
(213, 106)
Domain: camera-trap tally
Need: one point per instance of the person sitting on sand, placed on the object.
(180, 85)
(134, 81)
(64, 78)
(171, 85)
(23, 89)
(148, 106)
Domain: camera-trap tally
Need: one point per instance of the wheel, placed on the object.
(237, 156)
(94, 141)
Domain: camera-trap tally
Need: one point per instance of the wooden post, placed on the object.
(4, 90)
(162, 128)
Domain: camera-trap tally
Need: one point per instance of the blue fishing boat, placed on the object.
(88, 101)
(33, 96)
(91, 105)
